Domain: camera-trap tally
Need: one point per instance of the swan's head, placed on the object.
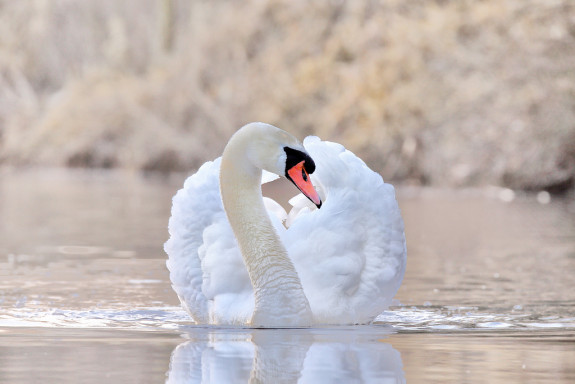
(276, 151)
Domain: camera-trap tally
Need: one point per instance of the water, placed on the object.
(85, 297)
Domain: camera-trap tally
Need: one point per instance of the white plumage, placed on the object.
(350, 255)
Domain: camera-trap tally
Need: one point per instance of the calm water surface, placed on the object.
(488, 294)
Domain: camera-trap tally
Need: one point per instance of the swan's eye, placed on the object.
(304, 174)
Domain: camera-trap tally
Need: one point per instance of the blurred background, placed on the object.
(444, 93)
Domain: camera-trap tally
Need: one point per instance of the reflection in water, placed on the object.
(285, 356)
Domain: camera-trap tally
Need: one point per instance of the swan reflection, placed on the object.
(285, 356)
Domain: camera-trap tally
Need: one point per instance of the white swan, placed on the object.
(341, 264)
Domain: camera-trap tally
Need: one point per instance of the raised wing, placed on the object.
(206, 267)
(350, 254)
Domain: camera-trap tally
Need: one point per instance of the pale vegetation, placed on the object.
(442, 92)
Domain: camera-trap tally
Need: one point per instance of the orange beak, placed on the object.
(299, 176)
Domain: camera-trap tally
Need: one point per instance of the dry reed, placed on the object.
(441, 92)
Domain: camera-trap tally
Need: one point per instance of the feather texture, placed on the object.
(350, 255)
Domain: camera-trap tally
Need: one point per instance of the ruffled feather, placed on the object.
(350, 254)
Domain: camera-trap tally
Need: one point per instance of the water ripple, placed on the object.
(412, 319)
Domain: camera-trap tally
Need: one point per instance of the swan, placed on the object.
(232, 261)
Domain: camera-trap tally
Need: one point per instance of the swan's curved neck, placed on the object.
(279, 296)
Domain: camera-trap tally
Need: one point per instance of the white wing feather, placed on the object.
(350, 254)
(202, 250)
(206, 267)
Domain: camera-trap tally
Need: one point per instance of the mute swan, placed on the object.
(341, 264)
